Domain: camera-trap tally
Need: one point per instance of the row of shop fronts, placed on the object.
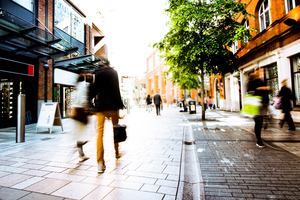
(274, 49)
(282, 63)
(43, 46)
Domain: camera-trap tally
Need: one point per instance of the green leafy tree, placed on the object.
(199, 36)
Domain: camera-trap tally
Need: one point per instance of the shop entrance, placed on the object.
(65, 96)
(9, 90)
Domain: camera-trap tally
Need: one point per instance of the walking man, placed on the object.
(157, 102)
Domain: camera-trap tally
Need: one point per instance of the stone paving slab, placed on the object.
(46, 166)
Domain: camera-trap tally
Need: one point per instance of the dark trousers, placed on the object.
(288, 118)
(157, 109)
(258, 123)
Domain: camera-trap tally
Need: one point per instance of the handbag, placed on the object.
(251, 105)
(120, 134)
(80, 114)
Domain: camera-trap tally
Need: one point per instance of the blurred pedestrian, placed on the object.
(286, 103)
(80, 111)
(258, 88)
(149, 103)
(174, 102)
(205, 103)
(106, 87)
(210, 102)
(157, 103)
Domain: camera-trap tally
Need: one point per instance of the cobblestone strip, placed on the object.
(234, 168)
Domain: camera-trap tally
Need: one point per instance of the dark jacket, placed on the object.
(157, 99)
(107, 90)
(286, 97)
(149, 100)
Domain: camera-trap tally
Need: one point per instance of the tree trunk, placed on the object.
(202, 93)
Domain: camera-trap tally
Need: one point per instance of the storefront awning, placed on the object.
(23, 38)
(87, 62)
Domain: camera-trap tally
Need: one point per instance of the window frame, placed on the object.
(32, 2)
(287, 5)
(262, 13)
(247, 26)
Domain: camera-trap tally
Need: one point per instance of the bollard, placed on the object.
(128, 105)
(20, 135)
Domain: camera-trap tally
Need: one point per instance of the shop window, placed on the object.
(264, 15)
(26, 4)
(156, 58)
(296, 78)
(271, 78)
(291, 4)
(150, 63)
(66, 18)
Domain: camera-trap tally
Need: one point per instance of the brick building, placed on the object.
(43, 44)
(275, 47)
(156, 81)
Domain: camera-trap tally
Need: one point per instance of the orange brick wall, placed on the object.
(274, 36)
(102, 52)
(41, 70)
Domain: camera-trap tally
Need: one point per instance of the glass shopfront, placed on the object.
(65, 96)
(271, 79)
(10, 87)
(67, 19)
(6, 102)
(295, 63)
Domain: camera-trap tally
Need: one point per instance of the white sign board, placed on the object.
(49, 116)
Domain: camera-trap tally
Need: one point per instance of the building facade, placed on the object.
(156, 81)
(43, 45)
(275, 47)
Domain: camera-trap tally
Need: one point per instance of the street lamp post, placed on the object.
(46, 67)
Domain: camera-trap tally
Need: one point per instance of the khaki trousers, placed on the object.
(114, 115)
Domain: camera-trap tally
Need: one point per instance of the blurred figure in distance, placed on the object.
(286, 102)
(149, 103)
(157, 103)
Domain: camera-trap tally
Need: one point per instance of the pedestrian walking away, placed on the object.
(109, 102)
(149, 103)
(157, 103)
(286, 98)
(80, 111)
(257, 87)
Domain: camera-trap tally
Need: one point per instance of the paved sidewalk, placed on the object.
(233, 167)
(46, 166)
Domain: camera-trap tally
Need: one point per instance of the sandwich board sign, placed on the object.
(49, 116)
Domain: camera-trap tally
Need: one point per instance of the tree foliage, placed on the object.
(199, 36)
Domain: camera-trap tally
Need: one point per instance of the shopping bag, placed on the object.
(277, 103)
(251, 105)
(120, 134)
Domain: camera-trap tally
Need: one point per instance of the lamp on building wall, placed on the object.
(290, 22)
(46, 67)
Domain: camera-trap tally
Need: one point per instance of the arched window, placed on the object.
(264, 15)
(235, 46)
(246, 25)
(291, 4)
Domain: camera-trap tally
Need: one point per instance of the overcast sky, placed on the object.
(130, 27)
